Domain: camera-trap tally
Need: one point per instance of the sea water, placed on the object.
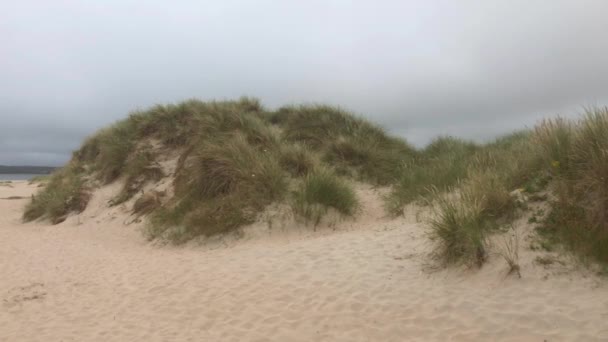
(18, 176)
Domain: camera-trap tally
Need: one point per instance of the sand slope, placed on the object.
(94, 278)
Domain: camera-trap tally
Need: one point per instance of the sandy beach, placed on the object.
(95, 277)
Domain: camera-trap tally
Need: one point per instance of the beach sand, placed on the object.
(96, 278)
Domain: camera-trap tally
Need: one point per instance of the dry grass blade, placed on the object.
(509, 251)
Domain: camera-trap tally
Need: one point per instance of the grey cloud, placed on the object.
(420, 68)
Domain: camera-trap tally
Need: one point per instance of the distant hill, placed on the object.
(4, 169)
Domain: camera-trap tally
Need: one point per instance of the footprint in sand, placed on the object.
(20, 294)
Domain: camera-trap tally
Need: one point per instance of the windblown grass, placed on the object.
(484, 178)
(297, 159)
(509, 251)
(236, 158)
(459, 229)
(354, 146)
(441, 165)
(107, 151)
(569, 157)
(41, 179)
(576, 153)
(221, 185)
(65, 193)
(139, 169)
(321, 190)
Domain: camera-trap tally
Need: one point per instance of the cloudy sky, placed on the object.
(473, 69)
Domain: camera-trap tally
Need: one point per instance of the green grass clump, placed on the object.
(441, 165)
(139, 169)
(492, 193)
(177, 125)
(320, 190)
(297, 159)
(107, 151)
(576, 153)
(65, 193)
(459, 228)
(220, 186)
(228, 165)
(570, 158)
(485, 176)
(354, 146)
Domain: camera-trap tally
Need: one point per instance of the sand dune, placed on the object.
(95, 278)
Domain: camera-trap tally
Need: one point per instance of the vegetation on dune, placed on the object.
(236, 158)
(568, 158)
(459, 228)
(321, 190)
(576, 153)
(140, 168)
(441, 165)
(65, 192)
(484, 179)
(220, 186)
(353, 146)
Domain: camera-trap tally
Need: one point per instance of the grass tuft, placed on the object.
(509, 251)
(458, 227)
(221, 185)
(297, 160)
(66, 192)
(321, 190)
(577, 157)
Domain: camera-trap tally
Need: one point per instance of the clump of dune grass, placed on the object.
(66, 192)
(465, 215)
(458, 228)
(492, 171)
(107, 151)
(297, 159)
(140, 168)
(492, 193)
(353, 146)
(40, 179)
(321, 190)
(509, 251)
(221, 185)
(147, 203)
(576, 155)
(482, 200)
(441, 165)
(177, 125)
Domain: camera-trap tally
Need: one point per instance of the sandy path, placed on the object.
(100, 280)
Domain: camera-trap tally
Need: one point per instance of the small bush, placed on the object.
(322, 190)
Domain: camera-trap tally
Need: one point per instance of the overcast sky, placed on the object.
(473, 69)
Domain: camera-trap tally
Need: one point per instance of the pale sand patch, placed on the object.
(95, 278)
